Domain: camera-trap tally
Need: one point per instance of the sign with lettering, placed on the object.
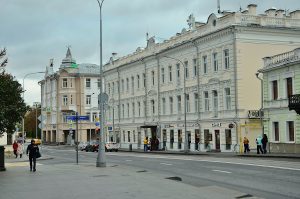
(219, 124)
(254, 114)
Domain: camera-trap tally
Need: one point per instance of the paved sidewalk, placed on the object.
(70, 181)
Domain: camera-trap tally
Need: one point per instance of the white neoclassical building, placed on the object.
(214, 63)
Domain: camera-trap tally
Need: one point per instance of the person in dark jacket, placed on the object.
(264, 142)
(32, 150)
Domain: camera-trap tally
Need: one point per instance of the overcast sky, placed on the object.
(34, 31)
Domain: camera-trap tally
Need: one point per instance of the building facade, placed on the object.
(213, 64)
(281, 80)
(73, 88)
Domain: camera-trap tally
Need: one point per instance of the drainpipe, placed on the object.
(198, 88)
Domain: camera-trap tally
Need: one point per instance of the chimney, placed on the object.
(270, 12)
(295, 14)
(252, 9)
(279, 13)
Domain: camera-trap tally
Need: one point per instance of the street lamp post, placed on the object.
(36, 126)
(184, 94)
(23, 120)
(101, 162)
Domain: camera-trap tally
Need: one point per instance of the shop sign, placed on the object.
(219, 124)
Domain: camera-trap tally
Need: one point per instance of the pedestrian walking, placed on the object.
(20, 149)
(146, 144)
(264, 143)
(33, 152)
(246, 145)
(15, 148)
(258, 144)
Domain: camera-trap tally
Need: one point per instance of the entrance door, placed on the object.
(164, 139)
(217, 139)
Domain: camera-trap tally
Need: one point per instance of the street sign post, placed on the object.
(76, 118)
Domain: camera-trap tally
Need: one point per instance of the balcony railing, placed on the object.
(294, 103)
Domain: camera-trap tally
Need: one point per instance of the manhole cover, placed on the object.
(142, 171)
(174, 178)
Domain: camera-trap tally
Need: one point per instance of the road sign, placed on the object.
(74, 117)
(86, 117)
(97, 123)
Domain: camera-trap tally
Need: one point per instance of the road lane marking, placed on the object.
(19, 164)
(166, 164)
(222, 171)
(128, 160)
(212, 161)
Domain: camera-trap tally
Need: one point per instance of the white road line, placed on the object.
(128, 160)
(222, 171)
(213, 161)
(166, 164)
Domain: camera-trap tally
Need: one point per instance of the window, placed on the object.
(88, 83)
(108, 88)
(163, 106)
(113, 88)
(144, 79)
(123, 111)
(132, 84)
(227, 99)
(276, 131)
(215, 98)
(139, 108)
(128, 132)
(196, 97)
(195, 67)
(204, 58)
(188, 108)
(133, 134)
(206, 101)
(138, 81)
(123, 136)
(178, 70)
(94, 116)
(163, 75)
(170, 73)
(65, 100)
(88, 100)
(127, 84)
(128, 110)
(186, 68)
(153, 107)
(99, 83)
(71, 99)
(122, 85)
(274, 90)
(179, 104)
(171, 105)
(153, 78)
(65, 83)
(289, 86)
(215, 61)
(133, 109)
(226, 58)
(290, 131)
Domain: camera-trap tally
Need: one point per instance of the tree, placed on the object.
(4, 62)
(12, 106)
(30, 122)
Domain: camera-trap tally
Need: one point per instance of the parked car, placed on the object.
(92, 146)
(82, 145)
(112, 146)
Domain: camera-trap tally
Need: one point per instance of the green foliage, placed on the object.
(30, 121)
(12, 106)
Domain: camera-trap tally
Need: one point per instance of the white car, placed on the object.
(82, 145)
(112, 146)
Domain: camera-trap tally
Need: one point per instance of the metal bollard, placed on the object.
(2, 165)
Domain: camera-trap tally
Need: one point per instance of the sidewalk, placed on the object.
(70, 181)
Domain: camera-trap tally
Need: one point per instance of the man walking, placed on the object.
(32, 150)
(259, 143)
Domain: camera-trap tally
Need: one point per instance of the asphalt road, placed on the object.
(266, 178)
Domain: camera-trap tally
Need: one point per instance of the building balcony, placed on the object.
(294, 103)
